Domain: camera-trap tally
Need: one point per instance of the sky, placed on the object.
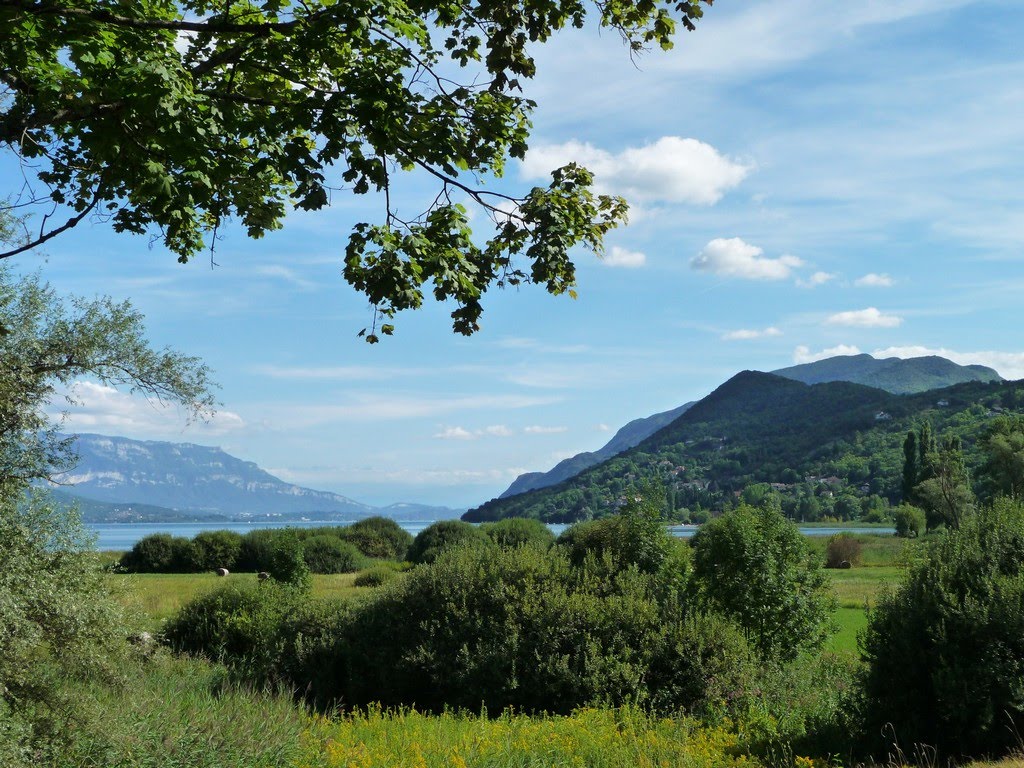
(806, 178)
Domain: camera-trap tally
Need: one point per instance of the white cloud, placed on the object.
(672, 169)
(745, 334)
(539, 430)
(803, 354)
(620, 257)
(283, 273)
(99, 408)
(461, 433)
(455, 433)
(603, 428)
(1010, 365)
(732, 257)
(818, 278)
(873, 280)
(865, 318)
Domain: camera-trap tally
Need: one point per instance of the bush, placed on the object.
(945, 651)
(58, 619)
(635, 537)
(754, 566)
(376, 576)
(211, 550)
(909, 521)
(328, 554)
(443, 535)
(379, 537)
(286, 562)
(239, 624)
(519, 531)
(843, 548)
(151, 554)
(256, 549)
(521, 628)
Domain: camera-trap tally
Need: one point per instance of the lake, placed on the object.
(120, 537)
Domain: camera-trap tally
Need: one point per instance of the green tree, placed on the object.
(945, 495)
(909, 521)
(945, 650)
(1003, 447)
(176, 116)
(910, 466)
(49, 343)
(755, 567)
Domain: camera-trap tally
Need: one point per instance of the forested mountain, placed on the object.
(631, 434)
(833, 440)
(120, 479)
(893, 374)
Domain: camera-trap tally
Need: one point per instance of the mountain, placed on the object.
(893, 374)
(631, 434)
(119, 479)
(763, 428)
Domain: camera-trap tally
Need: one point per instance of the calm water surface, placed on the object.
(121, 537)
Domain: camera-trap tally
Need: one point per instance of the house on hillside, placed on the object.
(883, 416)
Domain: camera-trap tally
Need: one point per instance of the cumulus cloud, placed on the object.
(461, 433)
(818, 278)
(745, 334)
(672, 169)
(865, 318)
(620, 257)
(98, 408)
(874, 280)
(733, 257)
(539, 430)
(1009, 365)
(803, 354)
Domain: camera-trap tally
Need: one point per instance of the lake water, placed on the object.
(120, 537)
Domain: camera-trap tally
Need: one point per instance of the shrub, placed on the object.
(945, 651)
(58, 619)
(843, 548)
(211, 550)
(521, 628)
(376, 576)
(328, 554)
(286, 562)
(909, 521)
(256, 549)
(754, 566)
(635, 537)
(237, 623)
(150, 554)
(444, 535)
(379, 537)
(519, 531)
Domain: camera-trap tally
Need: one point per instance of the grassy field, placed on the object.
(160, 595)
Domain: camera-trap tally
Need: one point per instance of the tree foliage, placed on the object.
(945, 651)
(754, 566)
(177, 116)
(49, 342)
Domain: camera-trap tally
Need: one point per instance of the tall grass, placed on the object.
(595, 738)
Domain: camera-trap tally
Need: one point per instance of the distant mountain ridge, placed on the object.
(631, 434)
(141, 477)
(892, 374)
(901, 376)
(763, 428)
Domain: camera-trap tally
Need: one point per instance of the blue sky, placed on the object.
(808, 177)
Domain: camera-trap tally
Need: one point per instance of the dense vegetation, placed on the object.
(325, 549)
(828, 451)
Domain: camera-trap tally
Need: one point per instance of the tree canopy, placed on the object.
(174, 117)
(47, 342)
